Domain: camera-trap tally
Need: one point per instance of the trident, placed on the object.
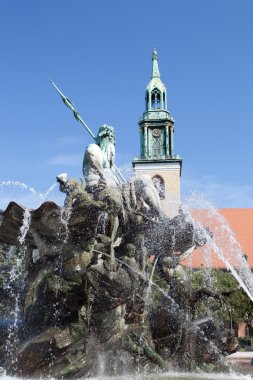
(70, 105)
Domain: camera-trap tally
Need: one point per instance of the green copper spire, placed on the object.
(156, 124)
(155, 68)
(156, 94)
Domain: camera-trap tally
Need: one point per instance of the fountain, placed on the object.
(96, 287)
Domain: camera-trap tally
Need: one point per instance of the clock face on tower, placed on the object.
(156, 132)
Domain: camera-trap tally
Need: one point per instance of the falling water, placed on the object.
(148, 298)
(16, 281)
(25, 226)
(141, 275)
(51, 188)
(65, 216)
(242, 278)
(240, 272)
(32, 197)
(22, 186)
(223, 243)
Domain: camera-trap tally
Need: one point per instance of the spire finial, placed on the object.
(155, 69)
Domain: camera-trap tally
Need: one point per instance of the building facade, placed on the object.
(157, 158)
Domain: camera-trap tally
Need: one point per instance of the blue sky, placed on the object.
(99, 54)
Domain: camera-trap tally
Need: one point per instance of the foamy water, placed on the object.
(179, 376)
(165, 376)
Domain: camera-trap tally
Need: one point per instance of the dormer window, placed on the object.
(155, 99)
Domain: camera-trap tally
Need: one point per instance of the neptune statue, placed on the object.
(99, 159)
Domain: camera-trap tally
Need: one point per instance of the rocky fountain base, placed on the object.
(97, 287)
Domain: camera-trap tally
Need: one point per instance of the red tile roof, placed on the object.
(233, 237)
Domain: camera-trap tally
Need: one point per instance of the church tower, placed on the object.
(157, 158)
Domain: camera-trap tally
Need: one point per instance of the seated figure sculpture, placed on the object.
(101, 184)
(100, 177)
(99, 158)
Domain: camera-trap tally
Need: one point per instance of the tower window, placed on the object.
(156, 99)
(159, 185)
(147, 100)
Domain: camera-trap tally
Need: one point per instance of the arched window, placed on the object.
(156, 99)
(158, 182)
(147, 100)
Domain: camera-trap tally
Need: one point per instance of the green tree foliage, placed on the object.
(236, 307)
